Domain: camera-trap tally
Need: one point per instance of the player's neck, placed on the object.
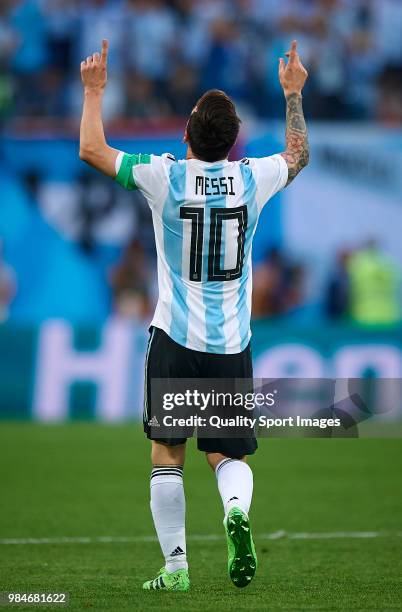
(190, 155)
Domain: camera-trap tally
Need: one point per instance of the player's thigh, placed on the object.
(165, 361)
(231, 368)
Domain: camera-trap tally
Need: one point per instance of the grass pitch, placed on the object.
(89, 481)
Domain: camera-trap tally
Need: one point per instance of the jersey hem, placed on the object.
(192, 347)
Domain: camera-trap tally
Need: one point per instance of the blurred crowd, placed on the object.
(364, 286)
(165, 52)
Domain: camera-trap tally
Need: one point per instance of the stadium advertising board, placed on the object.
(66, 372)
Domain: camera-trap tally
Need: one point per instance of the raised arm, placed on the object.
(93, 146)
(293, 76)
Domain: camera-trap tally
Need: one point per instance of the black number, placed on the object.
(197, 236)
(218, 216)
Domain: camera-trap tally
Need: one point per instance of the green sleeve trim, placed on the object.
(125, 176)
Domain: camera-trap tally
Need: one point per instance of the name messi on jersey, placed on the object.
(206, 186)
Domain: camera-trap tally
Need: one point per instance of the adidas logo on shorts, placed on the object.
(154, 422)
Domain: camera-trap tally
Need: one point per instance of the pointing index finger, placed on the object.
(105, 49)
(293, 51)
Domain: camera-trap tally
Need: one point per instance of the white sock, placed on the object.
(168, 507)
(235, 484)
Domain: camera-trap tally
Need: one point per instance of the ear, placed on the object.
(185, 136)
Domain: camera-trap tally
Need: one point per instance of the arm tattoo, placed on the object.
(297, 148)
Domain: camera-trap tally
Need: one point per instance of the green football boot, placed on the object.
(176, 581)
(242, 558)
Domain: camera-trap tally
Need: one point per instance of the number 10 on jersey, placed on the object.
(219, 216)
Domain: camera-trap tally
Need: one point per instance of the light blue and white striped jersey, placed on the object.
(204, 216)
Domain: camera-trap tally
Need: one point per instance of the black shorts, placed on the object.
(168, 359)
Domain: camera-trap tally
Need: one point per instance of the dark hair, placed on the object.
(213, 126)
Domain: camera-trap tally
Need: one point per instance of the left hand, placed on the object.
(94, 70)
(292, 75)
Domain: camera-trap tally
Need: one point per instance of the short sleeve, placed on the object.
(145, 172)
(270, 174)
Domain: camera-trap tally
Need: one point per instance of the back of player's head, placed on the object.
(213, 126)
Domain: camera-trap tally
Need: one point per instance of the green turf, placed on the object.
(92, 480)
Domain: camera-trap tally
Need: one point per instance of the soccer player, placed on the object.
(205, 211)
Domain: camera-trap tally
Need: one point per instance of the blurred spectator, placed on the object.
(278, 284)
(141, 99)
(130, 281)
(330, 28)
(211, 10)
(62, 24)
(193, 34)
(227, 61)
(8, 43)
(7, 286)
(150, 38)
(374, 287)
(30, 57)
(183, 89)
(364, 62)
(387, 27)
(389, 104)
(337, 294)
(29, 23)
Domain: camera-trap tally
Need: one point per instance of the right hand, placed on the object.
(94, 70)
(292, 75)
